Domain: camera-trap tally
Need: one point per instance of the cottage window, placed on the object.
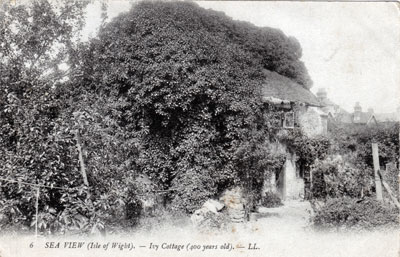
(289, 120)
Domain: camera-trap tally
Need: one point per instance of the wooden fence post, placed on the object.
(37, 210)
(378, 184)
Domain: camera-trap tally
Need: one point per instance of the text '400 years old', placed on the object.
(200, 247)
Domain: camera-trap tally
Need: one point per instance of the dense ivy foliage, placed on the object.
(308, 149)
(190, 81)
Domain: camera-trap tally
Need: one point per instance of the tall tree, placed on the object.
(35, 145)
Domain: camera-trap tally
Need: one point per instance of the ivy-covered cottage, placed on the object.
(295, 106)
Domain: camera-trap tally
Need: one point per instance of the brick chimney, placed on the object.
(357, 112)
(321, 94)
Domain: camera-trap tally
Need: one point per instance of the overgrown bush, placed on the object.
(271, 200)
(336, 177)
(355, 213)
(358, 141)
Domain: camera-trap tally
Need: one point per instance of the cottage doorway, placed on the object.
(290, 184)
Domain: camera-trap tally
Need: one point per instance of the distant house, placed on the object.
(358, 117)
(338, 115)
(300, 108)
(369, 118)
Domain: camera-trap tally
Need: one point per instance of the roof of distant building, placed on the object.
(360, 118)
(364, 117)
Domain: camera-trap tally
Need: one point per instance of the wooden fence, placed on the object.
(379, 180)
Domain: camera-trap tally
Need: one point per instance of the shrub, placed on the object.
(355, 213)
(335, 177)
(161, 220)
(271, 200)
(358, 140)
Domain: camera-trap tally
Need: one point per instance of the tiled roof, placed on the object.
(365, 117)
(283, 88)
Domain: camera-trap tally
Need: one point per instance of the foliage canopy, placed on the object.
(190, 82)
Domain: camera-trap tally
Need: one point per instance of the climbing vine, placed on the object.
(307, 150)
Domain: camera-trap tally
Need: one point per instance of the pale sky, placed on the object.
(350, 49)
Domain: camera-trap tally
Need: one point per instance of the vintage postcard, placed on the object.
(199, 128)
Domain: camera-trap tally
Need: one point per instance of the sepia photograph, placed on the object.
(199, 128)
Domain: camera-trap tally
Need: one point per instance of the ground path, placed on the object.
(277, 232)
(286, 231)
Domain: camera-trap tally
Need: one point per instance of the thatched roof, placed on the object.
(279, 88)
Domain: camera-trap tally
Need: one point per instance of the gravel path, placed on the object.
(274, 232)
